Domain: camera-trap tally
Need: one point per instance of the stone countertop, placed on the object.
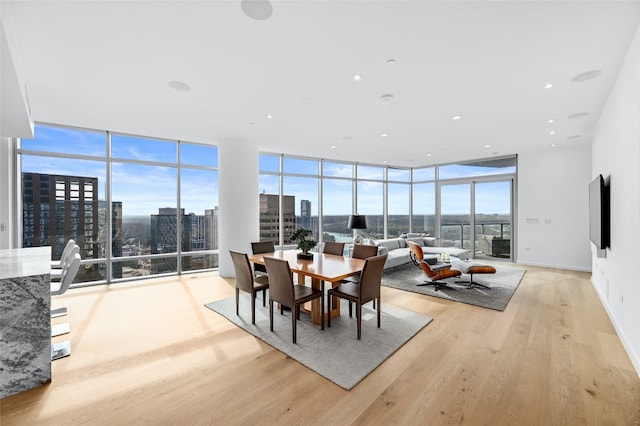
(25, 262)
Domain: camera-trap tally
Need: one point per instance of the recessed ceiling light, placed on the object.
(391, 61)
(357, 77)
(487, 146)
(429, 155)
(553, 145)
(589, 75)
(384, 135)
(552, 132)
(384, 161)
(456, 117)
(574, 137)
(257, 9)
(180, 86)
(548, 85)
(551, 120)
(578, 115)
(269, 116)
(333, 146)
(387, 97)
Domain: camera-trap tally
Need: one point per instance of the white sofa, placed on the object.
(398, 252)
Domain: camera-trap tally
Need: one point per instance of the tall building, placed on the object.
(270, 218)
(305, 214)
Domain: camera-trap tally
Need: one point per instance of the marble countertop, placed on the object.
(25, 262)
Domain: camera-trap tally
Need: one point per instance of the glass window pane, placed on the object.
(398, 209)
(66, 140)
(58, 206)
(300, 205)
(398, 175)
(481, 168)
(424, 208)
(199, 262)
(137, 148)
(424, 174)
(199, 199)
(149, 218)
(370, 172)
(337, 169)
(134, 268)
(269, 163)
(270, 208)
(198, 155)
(300, 166)
(370, 203)
(337, 200)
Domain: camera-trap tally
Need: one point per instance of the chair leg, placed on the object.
(329, 316)
(359, 319)
(322, 311)
(264, 297)
(294, 322)
(350, 309)
(237, 301)
(374, 301)
(270, 314)
(253, 309)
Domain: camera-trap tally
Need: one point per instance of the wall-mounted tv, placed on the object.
(599, 218)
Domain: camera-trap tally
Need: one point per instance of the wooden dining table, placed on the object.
(323, 267)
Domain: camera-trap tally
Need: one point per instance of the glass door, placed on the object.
(455, 215)
(476, 215)
(492, 209)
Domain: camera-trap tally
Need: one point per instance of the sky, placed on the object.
(143, 188)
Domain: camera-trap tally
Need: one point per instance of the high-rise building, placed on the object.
(270, 218)
(305, 214)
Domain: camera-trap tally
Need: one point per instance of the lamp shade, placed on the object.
(357, 221)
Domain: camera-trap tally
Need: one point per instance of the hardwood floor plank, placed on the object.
(149, 352)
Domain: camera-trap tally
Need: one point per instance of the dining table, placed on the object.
(321, 268)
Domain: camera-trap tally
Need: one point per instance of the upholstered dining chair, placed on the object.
(283, 291)
(368, 289)
(361, 251)
(333, 247)
(258, 247)
(248, 282)
(434, 273)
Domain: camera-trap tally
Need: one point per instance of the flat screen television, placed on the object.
(599, 222)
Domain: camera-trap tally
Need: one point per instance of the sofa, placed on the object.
(398, 253)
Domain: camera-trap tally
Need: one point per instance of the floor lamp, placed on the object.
(357, 221)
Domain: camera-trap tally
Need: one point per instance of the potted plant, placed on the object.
(305, 240)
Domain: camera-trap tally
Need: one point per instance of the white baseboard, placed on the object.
(546, 265)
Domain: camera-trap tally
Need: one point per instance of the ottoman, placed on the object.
(473, 268)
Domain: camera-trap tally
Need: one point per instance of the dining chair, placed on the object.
(360, 293)
(283, 291)
(333, 247)
(361, 251)
(70, 249)
(248, 282)
(57, 264)
(258, 247)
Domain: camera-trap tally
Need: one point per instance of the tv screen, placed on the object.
(599, 213)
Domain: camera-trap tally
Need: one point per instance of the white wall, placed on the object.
(553, 203)
(616, 153)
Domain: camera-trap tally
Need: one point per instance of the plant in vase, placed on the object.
(305, 240)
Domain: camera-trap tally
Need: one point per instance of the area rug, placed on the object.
(334, 353)
(503, 285)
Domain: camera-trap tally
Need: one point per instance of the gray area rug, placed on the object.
(503, 285)
(335, 353)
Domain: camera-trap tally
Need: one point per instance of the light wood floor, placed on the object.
(151, 353)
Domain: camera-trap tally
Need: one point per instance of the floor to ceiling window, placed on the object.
(133, 204)
(466, 205)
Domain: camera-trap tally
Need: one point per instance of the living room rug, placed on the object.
(503, 285)
(335, 353)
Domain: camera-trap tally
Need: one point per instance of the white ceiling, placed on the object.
(107, 65)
